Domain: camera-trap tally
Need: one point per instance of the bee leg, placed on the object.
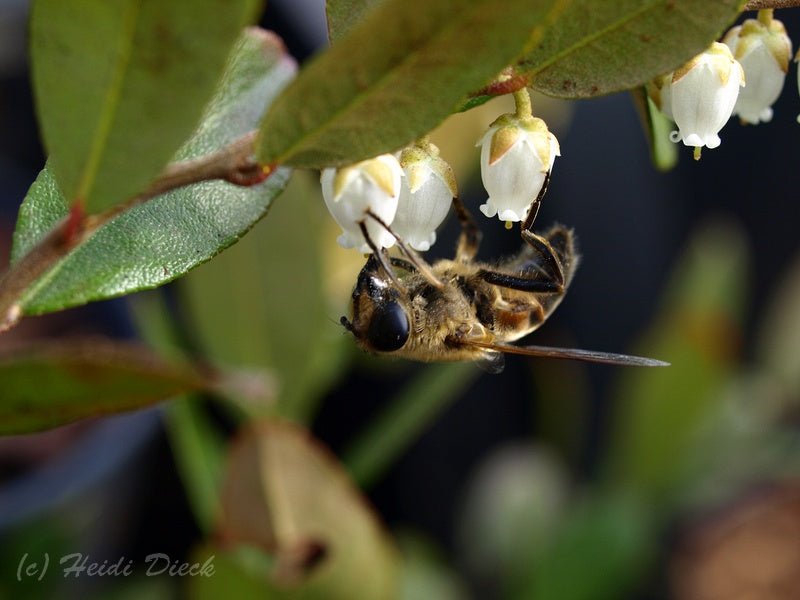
(541, 274)
(413, 257)
(523, 282)
(402, 263)
(470, 237)
(382, 258)
(548, 262)
(527, 224)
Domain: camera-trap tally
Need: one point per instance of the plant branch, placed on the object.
(762, 4)
(234, 163)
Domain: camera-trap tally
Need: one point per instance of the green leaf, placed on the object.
(84, 378)
(474, 102)
(197, 446)
(46, 532)
(198, 449)
(160, 240)
(405, 418)
(121, 84)
(664, 414)
(599, 554)
(657, 127)
(238, 573)
(598, 47)
(263, 304)
(289, 496)
(394, 76)
(344, 14)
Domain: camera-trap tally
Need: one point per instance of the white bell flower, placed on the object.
(426, 193)
(763, 49)
(704, 92)
(349, 192)
(516, 155)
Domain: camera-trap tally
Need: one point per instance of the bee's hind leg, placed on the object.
(546, 266)
(543, 276)
(548, 261)
(545, 262)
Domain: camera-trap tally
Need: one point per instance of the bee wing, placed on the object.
(492, 362)
(594, 356)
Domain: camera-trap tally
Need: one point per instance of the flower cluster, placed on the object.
(408, 195)
(743, 76)
(411, 194)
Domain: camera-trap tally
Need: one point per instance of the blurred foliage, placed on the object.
(254, 306)
(660, 412)
(285, 494)
(597, 554)
(405, 419)
(424, 571)
(77, 379)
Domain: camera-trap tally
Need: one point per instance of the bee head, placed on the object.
(380, 322)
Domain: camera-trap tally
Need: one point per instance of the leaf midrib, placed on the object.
(588, 40)
(113, 97)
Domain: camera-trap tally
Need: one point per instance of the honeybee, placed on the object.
(464, 310)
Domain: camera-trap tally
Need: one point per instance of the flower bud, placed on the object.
(704, 92)
(763, 50)
(426, 193)
(349, 192)
(516, 155)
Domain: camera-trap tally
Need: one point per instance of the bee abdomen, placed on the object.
(484, 305)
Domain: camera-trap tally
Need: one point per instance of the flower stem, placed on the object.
(423, 142)
(522, 99)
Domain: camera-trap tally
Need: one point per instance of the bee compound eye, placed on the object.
(388, 329)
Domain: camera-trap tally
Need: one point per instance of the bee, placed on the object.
(465, 310)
